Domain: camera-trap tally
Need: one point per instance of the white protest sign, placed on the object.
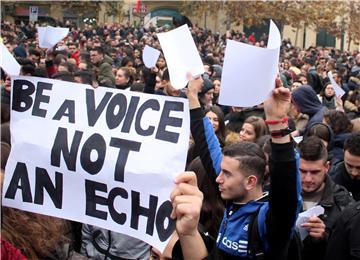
(150, 56)
(304, 217)
(104, 157)
(339, 92)
(49, 36)
(8, 62)
(181, 55)
(249, 72)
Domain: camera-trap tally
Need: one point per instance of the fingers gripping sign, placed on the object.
(186, 200)
(316, 228)
(195, 84)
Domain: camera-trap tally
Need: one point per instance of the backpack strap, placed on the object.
(255, 246)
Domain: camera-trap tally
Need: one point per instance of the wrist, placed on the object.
(275, 121)
(280, 133)
(191, 234)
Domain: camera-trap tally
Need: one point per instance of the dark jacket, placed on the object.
(334, 200)
(5, 96)
(235, 120)
(338, 148)
(344, 242)
(276, 222)
(314, 80)
(308, 103)
(340, 176)
(105, 75)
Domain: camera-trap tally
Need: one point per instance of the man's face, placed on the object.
(231, 180)
(352, 165)
(34, 58)
(72, 49)
(95, 57)
(313, 174)
(336, 78)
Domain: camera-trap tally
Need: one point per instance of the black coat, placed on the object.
(314, 80)
(344, 242)
(334, 200)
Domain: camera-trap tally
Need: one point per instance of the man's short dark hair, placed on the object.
(250, 156)
(352, 144)
(310, 60)
(34, 52)
(294, 62)
(313, 149)
(99, 49)
(86, 76)
(64, 76)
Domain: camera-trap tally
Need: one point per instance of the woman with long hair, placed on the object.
(124, 78)
(253, 128)
(216, 117)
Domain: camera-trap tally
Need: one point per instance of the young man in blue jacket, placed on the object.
(238, 172)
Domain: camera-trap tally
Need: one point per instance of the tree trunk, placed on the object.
(348, 48)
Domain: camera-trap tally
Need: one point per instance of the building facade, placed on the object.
(157, 13)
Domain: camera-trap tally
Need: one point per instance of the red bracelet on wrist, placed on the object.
(284, 120)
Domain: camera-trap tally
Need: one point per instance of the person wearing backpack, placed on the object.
(239, 171)
(319, 189)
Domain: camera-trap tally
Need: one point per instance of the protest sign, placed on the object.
(150, 56)
(8, 62)
(249, 72)
(339, 92)
(104, 157)
(181, 55)
(49, 36)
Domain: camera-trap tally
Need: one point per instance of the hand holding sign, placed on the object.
(186, 200)
(249, 71)
(304, 218)
(95, 157)
(339, 92)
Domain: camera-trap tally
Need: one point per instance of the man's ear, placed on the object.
(251, 182)
(327, 165)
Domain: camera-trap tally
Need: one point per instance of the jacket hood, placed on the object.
(306, 100)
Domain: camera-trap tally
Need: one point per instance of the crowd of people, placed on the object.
(250, 170)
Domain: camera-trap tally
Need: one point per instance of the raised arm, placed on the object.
(202, 131)
(284, 197)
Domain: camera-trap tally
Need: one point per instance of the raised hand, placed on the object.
(186, 199)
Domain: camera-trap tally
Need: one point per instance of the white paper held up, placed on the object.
(181, 55)
(150, 56)
(303, 218)
(8, 62)
(339, 92)
(49, 36)
(249, 72)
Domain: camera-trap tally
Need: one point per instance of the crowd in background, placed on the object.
(111, 56)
